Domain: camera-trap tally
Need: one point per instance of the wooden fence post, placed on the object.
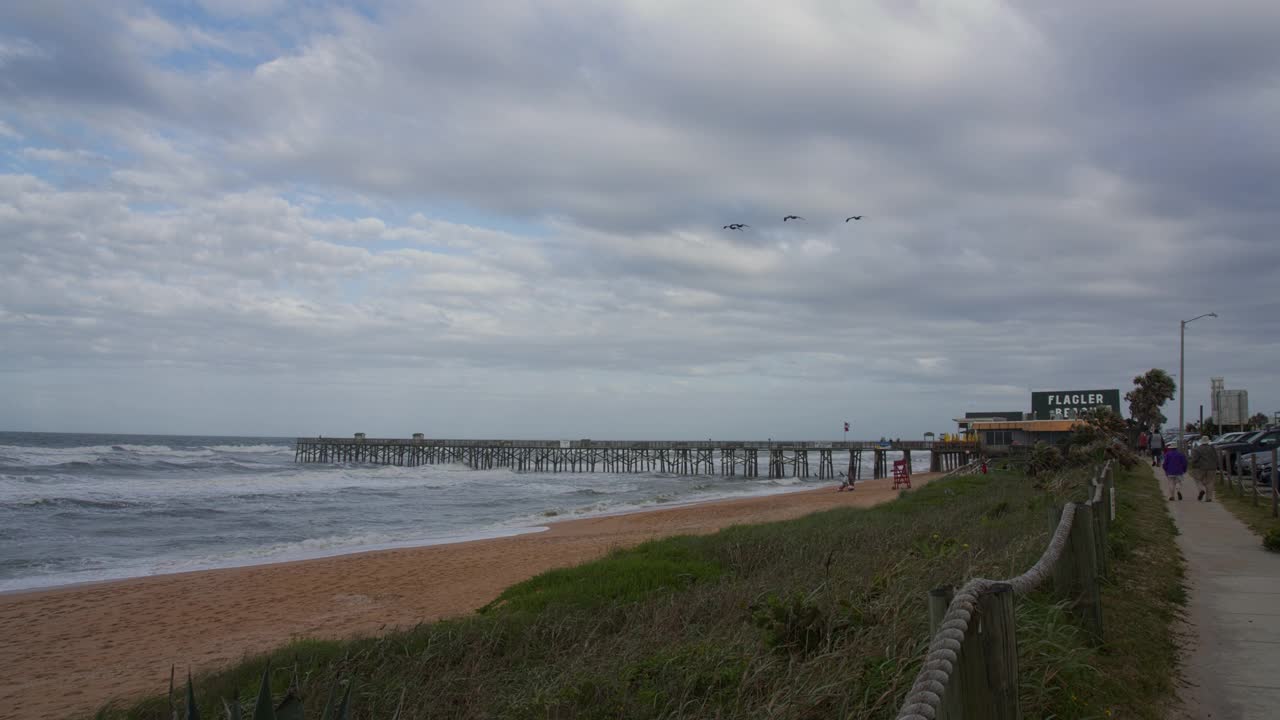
(975, 699)
(1084, 582)
(1099, 535)
(1064, 567)
(1000, 651)
(952, 707)
(1275, 485)
(1109, 486)
(1253, 477)
(1106, 529)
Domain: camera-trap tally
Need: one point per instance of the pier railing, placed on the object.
(655, 444)
(683, 457)
(971, 669)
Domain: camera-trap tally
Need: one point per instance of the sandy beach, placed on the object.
(68, 650)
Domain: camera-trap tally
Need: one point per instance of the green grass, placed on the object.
(1257, 517)
(823, 616)
(622, 577)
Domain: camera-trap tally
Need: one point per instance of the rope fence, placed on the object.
(970, 670)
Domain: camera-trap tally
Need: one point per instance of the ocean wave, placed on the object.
(184, 513)
(71, 502)
(260, 449)
(33, 455)
(21, 455)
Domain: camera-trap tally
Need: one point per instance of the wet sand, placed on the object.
(66, 651)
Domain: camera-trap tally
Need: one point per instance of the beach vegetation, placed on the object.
(822, 616)
(621, 577)
(265, 707)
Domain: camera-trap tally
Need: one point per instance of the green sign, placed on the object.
(1067, 404)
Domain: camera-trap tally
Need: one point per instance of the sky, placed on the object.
(484, 218)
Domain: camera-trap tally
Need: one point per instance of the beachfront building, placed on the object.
(966, 423)
(1003, 436)
(1052, 418)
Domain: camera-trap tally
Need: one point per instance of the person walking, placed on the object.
(1156, 443)
(1204, 468)
(1175, 466)
(1143, 439)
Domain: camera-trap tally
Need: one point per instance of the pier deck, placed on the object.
(678, 457)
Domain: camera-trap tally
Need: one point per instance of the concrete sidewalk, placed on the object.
(1232, 662)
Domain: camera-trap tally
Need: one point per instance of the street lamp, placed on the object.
(1182, 380)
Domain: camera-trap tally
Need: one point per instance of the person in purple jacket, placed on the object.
(1175, 466)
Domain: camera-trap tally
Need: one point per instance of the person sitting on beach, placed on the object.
(846, 484)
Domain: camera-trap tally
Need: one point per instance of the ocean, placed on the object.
(79, 507)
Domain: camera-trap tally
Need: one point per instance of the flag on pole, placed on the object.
(846, 426)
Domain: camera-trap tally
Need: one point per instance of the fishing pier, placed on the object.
(676, 457)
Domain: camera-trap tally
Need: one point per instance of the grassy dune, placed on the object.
(820, 617)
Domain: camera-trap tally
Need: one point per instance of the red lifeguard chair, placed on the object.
(901, 474)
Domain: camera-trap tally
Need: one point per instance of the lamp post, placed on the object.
(1182, 380)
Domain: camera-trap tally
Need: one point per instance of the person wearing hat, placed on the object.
(1204, 465)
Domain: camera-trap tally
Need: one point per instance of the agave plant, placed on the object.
(290, 707)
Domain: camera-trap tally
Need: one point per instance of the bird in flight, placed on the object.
(853, 217)
(792, 217)
(735, 226)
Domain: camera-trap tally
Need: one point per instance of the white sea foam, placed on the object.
(310, 549)
(272, 449)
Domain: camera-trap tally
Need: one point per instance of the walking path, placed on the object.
(1233, 662)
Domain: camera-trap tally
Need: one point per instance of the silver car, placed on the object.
(1230, 437)
(1260, 460)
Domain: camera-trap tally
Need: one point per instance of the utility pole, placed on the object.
(1182, 380)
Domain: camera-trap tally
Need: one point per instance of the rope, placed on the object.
(925, 697)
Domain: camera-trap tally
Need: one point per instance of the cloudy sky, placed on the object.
(503, 218)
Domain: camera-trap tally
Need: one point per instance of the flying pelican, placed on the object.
(735, 226)
(792, 217)
(853, 217)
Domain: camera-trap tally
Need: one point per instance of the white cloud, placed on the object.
(522, 205)
(243, 8)
(56, 155)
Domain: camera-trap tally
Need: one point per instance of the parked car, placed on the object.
(1263, 440)
(1230, 437)
(1260, 462)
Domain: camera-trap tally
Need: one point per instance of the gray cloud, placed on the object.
(517, 214)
